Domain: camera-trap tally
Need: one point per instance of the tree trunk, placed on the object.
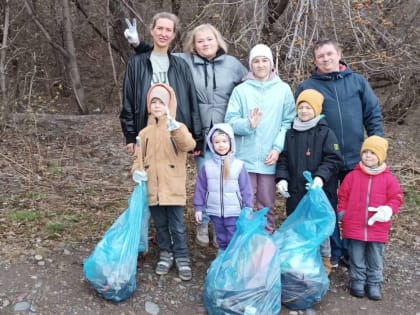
(72, 65)
(68, 53)
(4, 101)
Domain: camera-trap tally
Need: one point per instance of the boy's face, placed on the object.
(370, 159)
(157, 107)
(221, 144)
(305, 112)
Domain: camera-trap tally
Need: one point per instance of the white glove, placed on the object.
(198, 216)
(171, 123)
(383, 214)
(282, 188)
(139, 176)
(131, 33)
(317, 182)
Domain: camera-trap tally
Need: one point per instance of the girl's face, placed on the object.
(221, 144)
(157, 107)
(261, 68)
(205, 44)
(305, 112)
(370, 159)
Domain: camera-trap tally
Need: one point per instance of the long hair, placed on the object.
(189, 46)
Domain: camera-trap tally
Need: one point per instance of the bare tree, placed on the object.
(5, 104)
(68, 52)
(72, 65)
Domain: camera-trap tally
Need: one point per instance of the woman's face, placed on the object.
(163, 33)
(205, 44)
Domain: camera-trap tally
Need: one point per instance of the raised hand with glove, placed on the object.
(131, 32)
(171, 123)
(383, 214)
(282, 188)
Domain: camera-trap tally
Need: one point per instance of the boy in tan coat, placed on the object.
(164, 146)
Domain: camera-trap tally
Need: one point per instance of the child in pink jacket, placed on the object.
(367, 198)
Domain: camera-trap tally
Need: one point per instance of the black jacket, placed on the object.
(137, 81)
(315, 150)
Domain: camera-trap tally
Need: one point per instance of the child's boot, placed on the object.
(202, 237)
(184, 268)
(326, 261)
(374, 291)
(165, 263)
(357, 288)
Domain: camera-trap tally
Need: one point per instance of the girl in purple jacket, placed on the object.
(367, 198)
(223, 186)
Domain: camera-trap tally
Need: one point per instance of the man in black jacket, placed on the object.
(155, 66)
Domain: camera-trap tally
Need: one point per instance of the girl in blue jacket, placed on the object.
(260, 111)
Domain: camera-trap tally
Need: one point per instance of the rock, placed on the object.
(152, 308)
(38, 257)
(21, 306)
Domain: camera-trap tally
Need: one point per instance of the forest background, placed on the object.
(64, 171)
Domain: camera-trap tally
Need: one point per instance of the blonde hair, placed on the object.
(226, 159)
(189, 46)
(165, 15)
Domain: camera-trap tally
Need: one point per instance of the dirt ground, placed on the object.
(65, 179)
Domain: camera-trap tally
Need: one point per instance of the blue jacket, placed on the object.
(275, 99)
(350, 107)
(222, 197)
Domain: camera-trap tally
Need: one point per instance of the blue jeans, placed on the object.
(170, 228)
(366, 261)
(336, 242)
(199, 163)
(325, 248)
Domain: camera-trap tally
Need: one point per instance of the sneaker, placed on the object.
(374, 292)
(165, 263)
(184, 269)
(202, 237)
(335, 261)
(357, 289)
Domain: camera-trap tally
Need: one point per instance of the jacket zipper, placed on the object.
(222, 210)
(341, 122)
(366, 208)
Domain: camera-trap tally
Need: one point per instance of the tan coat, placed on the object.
(164, 156)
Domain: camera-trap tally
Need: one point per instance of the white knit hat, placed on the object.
(260, 50)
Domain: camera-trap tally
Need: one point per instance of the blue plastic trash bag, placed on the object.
(111, 268)
(303, 278)
(245, 278)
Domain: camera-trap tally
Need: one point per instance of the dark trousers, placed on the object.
(170, 228)
(337, 245)
(224, 228)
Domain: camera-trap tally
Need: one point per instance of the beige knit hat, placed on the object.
(161, 93)
(377, 145)
(313, 98)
